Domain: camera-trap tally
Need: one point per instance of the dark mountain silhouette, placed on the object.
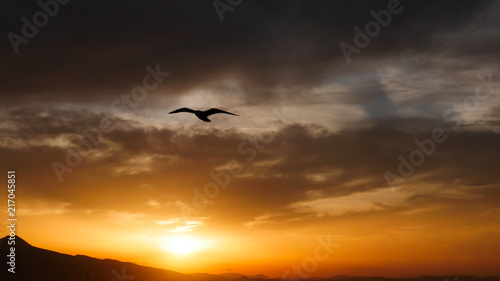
(421, 278)
(237, 276)
(35, 264)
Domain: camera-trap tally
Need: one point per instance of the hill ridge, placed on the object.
(33, 263)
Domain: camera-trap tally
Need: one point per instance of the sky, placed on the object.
(366, 142)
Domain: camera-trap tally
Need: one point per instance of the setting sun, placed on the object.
(250, 140)
(184, 245)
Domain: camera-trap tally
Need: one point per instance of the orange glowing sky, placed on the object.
(299, 179)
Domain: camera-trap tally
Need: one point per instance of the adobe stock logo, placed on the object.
(92, 138)
(39, 19)
(455, 117)
(310, 264)
(221, 7)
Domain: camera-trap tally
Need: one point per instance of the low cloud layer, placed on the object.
(309, 154)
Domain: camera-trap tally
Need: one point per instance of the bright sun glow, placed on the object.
(184, 245)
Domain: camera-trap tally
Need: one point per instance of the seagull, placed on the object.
(202, 114)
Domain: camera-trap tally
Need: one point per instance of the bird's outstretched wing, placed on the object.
(184, 109)
(215, 110)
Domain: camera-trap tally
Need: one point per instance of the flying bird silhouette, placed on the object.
(202, 114)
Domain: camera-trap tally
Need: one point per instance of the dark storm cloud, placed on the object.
(94, 48)
(372, 96)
